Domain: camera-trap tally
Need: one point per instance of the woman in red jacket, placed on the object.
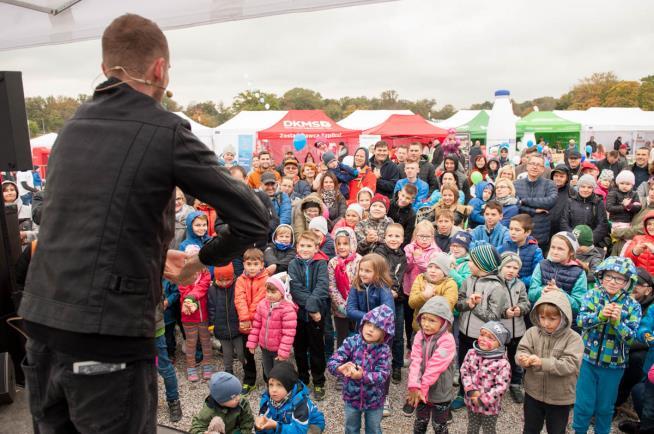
(365, 177)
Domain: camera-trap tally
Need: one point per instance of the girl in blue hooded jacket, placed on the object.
(371, 287)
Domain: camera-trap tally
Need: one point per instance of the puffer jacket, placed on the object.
(530, 254)
(490, 377)
(606, 343)
(646, 258)
(364, 226)
(478, 204)
(197, 292)
(248, 293)
(396, 260)
(569, 277)
(555, 381)
(361, 301)
(273, 327)
(309, 286)
(497, 237)
(494, 301)
(282, 205)
(432, 357)
(539, 194)
(368, 393)
(300, 223)
(237, 419)
(416, 266)
(517, 293)
(338, 302)
(588, 211)
(222, 312)
(281, 258)
(296, 415)
(406, 217)
(618, 213)
(447, 288)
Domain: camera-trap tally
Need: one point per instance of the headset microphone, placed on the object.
(167, 92)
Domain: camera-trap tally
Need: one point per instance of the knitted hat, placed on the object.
(508, 257)
(285, 373)
(225, 272)
(355, 207)
(328, 157)
(281, 281)
(485, 257)
(381, 198)
(462, 238)
(442, 261)
(224, 387)
(229, 149)
(584, 235)
(625, 176)
(319, 223)
(587, 180)
(498, 330)
(570, 238)
(606, 175)
(644, 278)
(367, 190)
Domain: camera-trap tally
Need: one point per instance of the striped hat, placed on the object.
(485, 257)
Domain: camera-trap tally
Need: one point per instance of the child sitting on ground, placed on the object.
(286, 406)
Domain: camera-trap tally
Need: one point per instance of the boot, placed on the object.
(175, 410)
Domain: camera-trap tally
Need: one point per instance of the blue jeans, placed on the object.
(398, 339)
(353, 420)
(597, 390)
(166, 369)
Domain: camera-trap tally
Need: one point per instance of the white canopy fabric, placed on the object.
(44, 141)
(28, 23)
(459, 118)
(244, 126)
(366, 119)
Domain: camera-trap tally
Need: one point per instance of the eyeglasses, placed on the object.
(423, 237)
(620, 280)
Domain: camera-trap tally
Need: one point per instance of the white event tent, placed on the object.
(244, 126)
(44, 141)
(366, 119)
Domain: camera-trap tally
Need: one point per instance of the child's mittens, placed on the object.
(216, 426)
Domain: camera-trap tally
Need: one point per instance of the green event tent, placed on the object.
(550, 127)
(476, 126)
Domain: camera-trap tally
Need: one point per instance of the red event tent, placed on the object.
(402, 129)
(315, 124)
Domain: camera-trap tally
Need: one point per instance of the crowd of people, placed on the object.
(480, 274)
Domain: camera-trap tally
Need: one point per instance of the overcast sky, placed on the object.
(457, 52)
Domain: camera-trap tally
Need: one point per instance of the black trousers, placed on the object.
(309, 348)
(465, 344)
(61, 401)
(555, 417)
(632, 375)
(250, 368)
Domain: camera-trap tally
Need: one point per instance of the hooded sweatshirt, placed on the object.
(646, 258)
(341, 273)
(432, 368)
(191, 238)
(279, 254)
(554, 382)
(478, 204)
(368, 393)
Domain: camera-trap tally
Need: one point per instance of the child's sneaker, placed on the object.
(319, 393)
(386, 412)
(192, 375)
(408, 409)
(207, 372)
(457, 404)
(396, 377)
(517, 394)
(247, 389)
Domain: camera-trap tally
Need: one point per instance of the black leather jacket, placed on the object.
(108, 216)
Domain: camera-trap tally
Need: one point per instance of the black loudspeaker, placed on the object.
(7, 379)
(15, 152)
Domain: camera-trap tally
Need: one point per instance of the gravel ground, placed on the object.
(192, 397)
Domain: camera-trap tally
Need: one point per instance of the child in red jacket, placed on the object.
(641, 249)
(274, 323)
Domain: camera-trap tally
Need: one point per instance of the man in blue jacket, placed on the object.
(280, 201)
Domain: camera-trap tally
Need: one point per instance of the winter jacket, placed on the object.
(478, 204)
(344, 174)
(616, 167)
(624, 235)
(248, 293)
(555, 381)
(563, 195)
(640, 173)
(237, 419)
(171, 293)
(192, 239)
(301, 189)
(282, 206)
(645, 335)
(517, 296)
(592, 259)
(607, 342)
(300, 223)
(406, 217)
(618, 213)
(368, 393)
(461, 270)
(361, 301)
(432, 357)
(309, 286)
(421, 196)
(365, 178)
(533, 195)
(497, 237)
(222, 312)
(197, 292)
(588, 211)
(569, 277)
(362, 229)
(494, 301)
(273, 327)
(298, 415)
(490, 377)
(396, 260)
(281, 258)
(646, 258)
(447, 288)
(510, 209)
(336, 211)
(426, 172)
(339, 302)
(530, 254)
(602, 192)
(416, 266)
(390, 174)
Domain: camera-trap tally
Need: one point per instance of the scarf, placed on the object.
(329, 198)
(340, 274)
(506, 200)
(282, 246)
(497, 353)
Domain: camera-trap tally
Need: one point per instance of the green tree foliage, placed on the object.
(302, 99)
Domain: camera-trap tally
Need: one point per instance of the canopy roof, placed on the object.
(407, 126)
(196, 127)
(44, 141)
(546, 122)
(462, 117)
(315, 124)
(28, 23)
(252, 121)
(610, 118)
(365, 119)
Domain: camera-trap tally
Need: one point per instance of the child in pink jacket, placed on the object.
(432, 369)
(274, 323)
(485, 375)
(195, 320)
